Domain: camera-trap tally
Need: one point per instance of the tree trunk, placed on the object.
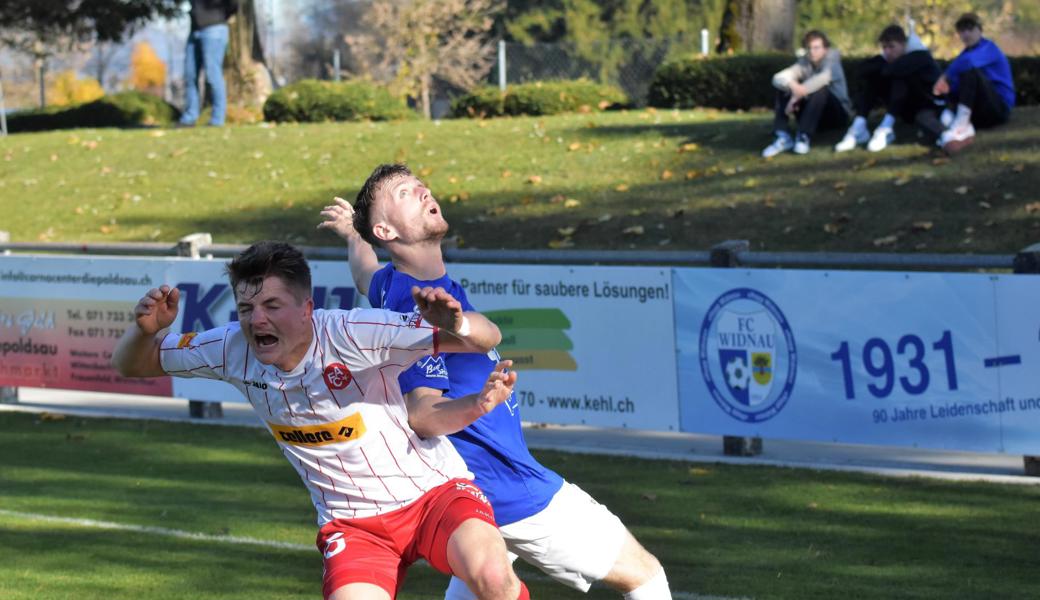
(424, 94)
(757, 26)
(248, 79)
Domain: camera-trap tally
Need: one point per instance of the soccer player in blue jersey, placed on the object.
(550, 523)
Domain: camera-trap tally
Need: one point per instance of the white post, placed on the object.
(335, 64)
(704, 42)
(502, 65)
(3, 111)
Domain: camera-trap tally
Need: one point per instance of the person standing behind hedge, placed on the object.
(978, 83)
(207, 43)
(814, 89)
(901, 79)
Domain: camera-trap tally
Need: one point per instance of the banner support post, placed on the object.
(1028, 262)
(727, 256)
(8, 394)
(188, 246)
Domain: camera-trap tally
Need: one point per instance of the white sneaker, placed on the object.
(782, 143)
(853, 138)
(956, 138)
(883, 136)
(946, 118)
(801, 144)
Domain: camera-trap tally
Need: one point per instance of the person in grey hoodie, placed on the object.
(814, 91)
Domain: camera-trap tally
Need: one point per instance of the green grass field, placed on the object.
(635, 179)
(720, 530)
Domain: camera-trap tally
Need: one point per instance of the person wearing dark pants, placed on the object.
(207, 43)
(977, 84)
(814, 91)
(901, 80)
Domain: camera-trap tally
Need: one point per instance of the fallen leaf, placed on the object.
(969, 230)
(666, 175)
(621, 187)
(806, 181)
(692, 174)
(425, 171)
(534, 179)
(985, 205)
(942, 160)
(54, 157)
(902, 180)
(840, 186)
(453, 179)
(571, 203)
(1018, 168)
(961, 190)
(921, 226)
(603, 104)
(832, 228)
(157, 133)
(888, 240)
(751, 182)
(574, 146)
(557, 199)
(688, 147)
(729, 171)
(566, 231)
(649, 497)
(527, 200)
(636, 212)
(1033, 207)
(633, 230)
(665, 242)
(507, 174)
(558, 244)
(769, 202)
(463, 196)
(607, 216)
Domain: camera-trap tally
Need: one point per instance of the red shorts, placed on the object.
(378, 550)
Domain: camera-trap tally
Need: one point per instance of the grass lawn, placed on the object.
(719, 530)
(636, 179)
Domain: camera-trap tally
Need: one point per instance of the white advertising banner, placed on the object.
(915, 359)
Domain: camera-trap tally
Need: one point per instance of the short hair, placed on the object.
(271, 258)
(968, 21)
(815, 34)
(367, 197)
(892, 33)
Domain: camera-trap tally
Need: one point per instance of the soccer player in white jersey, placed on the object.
(325, 383)
(550, 523)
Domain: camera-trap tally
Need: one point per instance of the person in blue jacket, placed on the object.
(977, 84)
(549, 522)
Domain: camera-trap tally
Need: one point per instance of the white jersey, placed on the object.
(339, 416)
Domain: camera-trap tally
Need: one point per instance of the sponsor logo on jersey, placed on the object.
(433, 367)
(748, 355)
(344, 430)
(185, 340)
(337, 376)
(473, 490)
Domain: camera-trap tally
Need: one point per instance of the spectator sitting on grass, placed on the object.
(977, 83)
(813, 89)
(901, 79)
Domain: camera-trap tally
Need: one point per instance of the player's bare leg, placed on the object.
(477, 555)
(637, 574)
(360, 591)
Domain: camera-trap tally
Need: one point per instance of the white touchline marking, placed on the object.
(248, 541)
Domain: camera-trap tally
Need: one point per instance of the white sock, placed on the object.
(654, 589)
(963, 116)
(887, 121)
(859, 124)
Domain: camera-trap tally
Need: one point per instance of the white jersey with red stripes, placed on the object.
(339, 416)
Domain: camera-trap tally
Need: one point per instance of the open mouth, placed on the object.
(265, 341)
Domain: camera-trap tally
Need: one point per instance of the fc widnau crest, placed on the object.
(747, 355)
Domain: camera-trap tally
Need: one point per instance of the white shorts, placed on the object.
(575, 540)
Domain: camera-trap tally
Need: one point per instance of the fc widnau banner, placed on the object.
(591, 345)
(933, 360)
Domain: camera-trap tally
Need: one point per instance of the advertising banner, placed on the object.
(914, 359)
(60, 318)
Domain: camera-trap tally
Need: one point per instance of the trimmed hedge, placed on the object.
(743, 81)
(311, 100)
(125, 109)
(539, 98)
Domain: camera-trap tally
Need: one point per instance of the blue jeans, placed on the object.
(206, 46)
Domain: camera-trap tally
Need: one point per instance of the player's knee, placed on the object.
(634, 567)
(494, 580)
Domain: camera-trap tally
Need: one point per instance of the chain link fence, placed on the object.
(627, 63)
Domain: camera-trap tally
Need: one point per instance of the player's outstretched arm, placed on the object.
(339, 218)
(470, 331)
(431, 414)
(137, 353)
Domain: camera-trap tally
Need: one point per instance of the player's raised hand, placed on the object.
(497, 388)
(157, 309)
(339, 219)
(439, 308)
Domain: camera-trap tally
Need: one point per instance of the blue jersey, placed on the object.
(493, 447)
(987, 57)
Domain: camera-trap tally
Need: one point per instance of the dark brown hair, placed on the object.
(892, 33)
(367, 197)
(968, 21)
(815, 34)
(269, 258)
